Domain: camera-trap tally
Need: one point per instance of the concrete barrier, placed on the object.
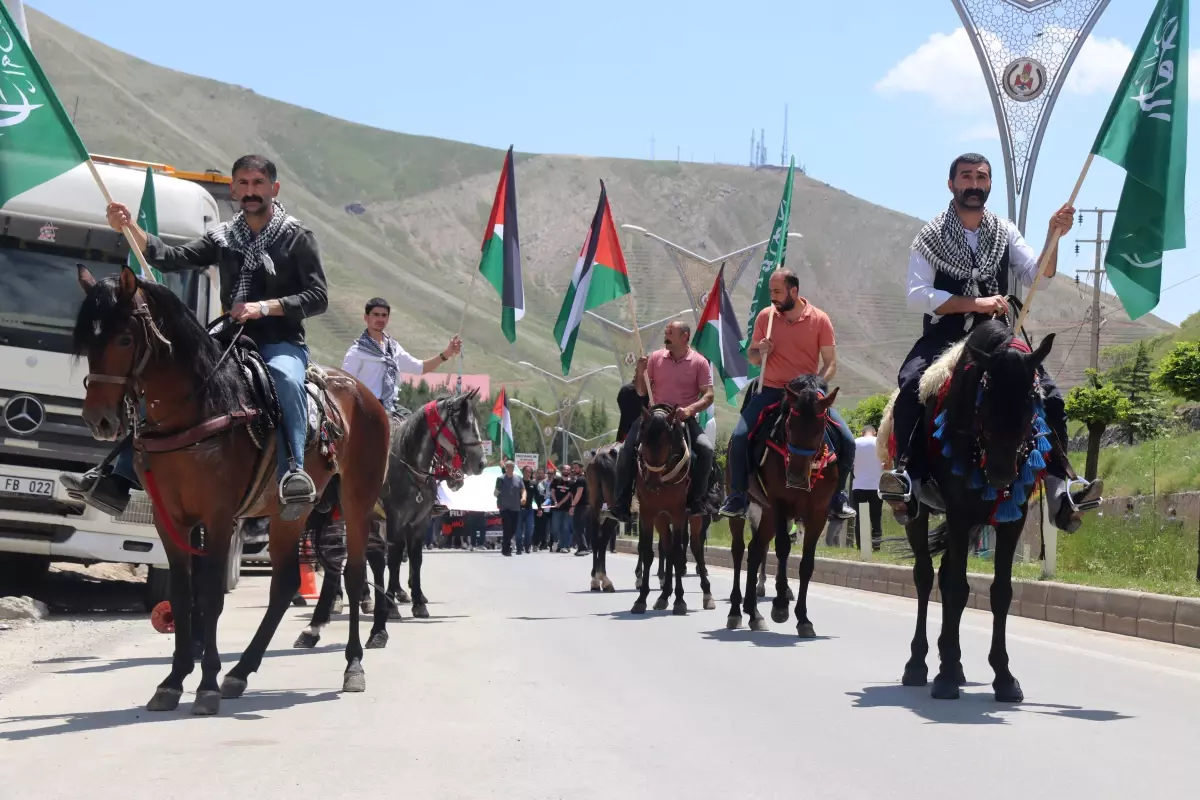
(1162, 618)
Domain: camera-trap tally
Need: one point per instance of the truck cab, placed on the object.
(44, 233)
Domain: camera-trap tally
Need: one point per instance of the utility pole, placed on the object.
(1096, 272)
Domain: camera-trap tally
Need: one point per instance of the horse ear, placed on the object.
(827, 402)
(1043, 349)
(85, 278)
(128, 283)
(977, 355)
(645, 415)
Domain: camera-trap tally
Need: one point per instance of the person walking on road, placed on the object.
(867, 470)
(510, 497)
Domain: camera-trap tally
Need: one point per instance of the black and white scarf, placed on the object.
(943, 242)
(390, 371)
(237, 236)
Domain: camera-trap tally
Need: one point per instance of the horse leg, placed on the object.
(166, 696)
(679, 543)
(1007, 688)
(609, 533)
(377, 559)
(395, 592)
(737, 548)
(916, 673)
(284, 547)
(330, 586)
(952, 580)
(645, 562)
(415, 558)
(697, 541)
(808, 561)
(758, 551)
(210, 583)
(783, 549)
(662, 564)
(666, 564)
(761, 587)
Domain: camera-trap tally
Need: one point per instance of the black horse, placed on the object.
(988, 444)
(439, 442)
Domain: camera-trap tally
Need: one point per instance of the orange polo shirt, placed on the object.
(797, 344)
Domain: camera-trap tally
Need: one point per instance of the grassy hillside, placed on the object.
(427, 200)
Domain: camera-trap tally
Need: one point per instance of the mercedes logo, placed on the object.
(24, 414)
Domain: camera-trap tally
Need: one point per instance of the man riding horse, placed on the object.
(272, 280)
(801, 340)
(679, 377)
(959, 267)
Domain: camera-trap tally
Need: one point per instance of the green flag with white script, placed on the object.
(1145, 132)
(147, 220)
(773, 259)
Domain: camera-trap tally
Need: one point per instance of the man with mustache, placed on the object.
(271, 280)
(681, 377)
(801, 343)
(960, 265)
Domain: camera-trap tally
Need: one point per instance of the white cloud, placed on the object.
(1099, 67)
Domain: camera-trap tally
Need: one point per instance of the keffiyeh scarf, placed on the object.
(237, 236)
(943, 242)
(390, 371)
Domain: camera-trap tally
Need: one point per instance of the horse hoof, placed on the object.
(368, 606)
(339, 605)
(679, 609)
(805, 630)
(420, 611)
(660, 604)
(402, 597)
(607, 586)
(1008, 692)
(378, 641)
(354, 681)
(207, 703)
(164, 699)
(759, 625)
(709, 603)
(733, 622)
(761, 589)
(961, 677)
(306, 640)
(394, 614)
(232, 688)
(638, 608)
(915, 675)
(791, 596)
(595, 587)
(945, 687)
(779, 615)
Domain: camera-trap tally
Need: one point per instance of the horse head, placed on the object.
(460, 415)
(991, 400)
(116, 329)
(662, 437)
(807, 403)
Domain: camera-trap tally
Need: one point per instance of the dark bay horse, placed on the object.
(664, 462)
(988, 443)
(600, 471)
(438, 443)
(197, 451)
(796, 481)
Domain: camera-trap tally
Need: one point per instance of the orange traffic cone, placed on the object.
(308, 576)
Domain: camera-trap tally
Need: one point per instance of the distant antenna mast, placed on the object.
(783, 155)
(753, 148)
(762, 147)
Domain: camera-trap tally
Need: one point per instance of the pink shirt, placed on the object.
(678, 382)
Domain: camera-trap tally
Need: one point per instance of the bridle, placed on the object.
(446, 463)
(677, 473)
(802, 452)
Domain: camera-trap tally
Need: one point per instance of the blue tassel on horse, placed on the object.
(1017, 493)
(1009, 509)
(957, 468)
(1043, 444)
(1035, 461)
(1026, 476)
(989, 493)
(976, 479)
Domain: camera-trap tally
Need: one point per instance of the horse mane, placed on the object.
(658, 425)
(192, 348)
(806, 391)
(989, 340)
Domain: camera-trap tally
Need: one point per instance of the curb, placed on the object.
(1158, 617)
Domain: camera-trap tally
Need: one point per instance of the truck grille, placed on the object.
(60, 442)
(139, 511)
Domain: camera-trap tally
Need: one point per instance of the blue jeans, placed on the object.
(287, 362)
(739, 459)
(561, 528)
(525, 528)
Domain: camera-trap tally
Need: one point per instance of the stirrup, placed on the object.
(1090, 499)
(109, 494)
(905, 486)
(292, 505)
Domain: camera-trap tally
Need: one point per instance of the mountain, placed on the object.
(402, 216)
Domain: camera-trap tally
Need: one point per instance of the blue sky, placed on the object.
(879, 105)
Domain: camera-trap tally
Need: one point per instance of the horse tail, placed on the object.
(938, 539)
(328, 549)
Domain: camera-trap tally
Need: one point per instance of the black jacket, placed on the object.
(298, 282)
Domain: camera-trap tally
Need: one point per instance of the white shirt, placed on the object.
(369, 368)
(867, 468)
(924, 298)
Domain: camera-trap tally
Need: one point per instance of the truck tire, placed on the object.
(233, 567)
(22, 572)
(158, 587)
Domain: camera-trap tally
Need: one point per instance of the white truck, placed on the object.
(44, 233)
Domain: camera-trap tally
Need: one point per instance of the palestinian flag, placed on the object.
(501, 260)
(500, 427)
(600, 276)
(718, 338)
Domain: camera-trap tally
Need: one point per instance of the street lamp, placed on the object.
(565, 403)
(585, 440)
(533, 411)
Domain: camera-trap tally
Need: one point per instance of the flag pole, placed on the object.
(1051, 247)
(108, 201)
(641, 350)
(466, 303)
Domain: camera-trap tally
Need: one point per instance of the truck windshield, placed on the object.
(40, 293)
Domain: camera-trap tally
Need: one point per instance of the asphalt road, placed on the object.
(526, 685)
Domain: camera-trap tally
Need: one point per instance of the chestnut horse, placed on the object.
(198, 458)
(796, 481)
(664, 462)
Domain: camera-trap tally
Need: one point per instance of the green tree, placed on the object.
(1179, 371)
(869, 411)
(1096, 405)
(1144, 418)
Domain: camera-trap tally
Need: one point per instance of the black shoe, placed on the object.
(106, 493)
(735, 506)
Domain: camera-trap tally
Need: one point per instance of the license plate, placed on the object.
(12, 484)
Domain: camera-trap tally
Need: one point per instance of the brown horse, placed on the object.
(796, 481)
(206, 455)
(663, 476)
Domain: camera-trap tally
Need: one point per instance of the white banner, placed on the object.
(523, 460)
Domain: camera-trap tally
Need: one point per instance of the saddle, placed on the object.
(769, 433)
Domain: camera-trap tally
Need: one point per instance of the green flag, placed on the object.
(37, 140)
(773, 259)
(147, 220)
(1145, 132)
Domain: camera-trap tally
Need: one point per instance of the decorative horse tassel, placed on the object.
(958, 469)
(946, 451)
(976, 479)
(989, 493)
(1026, 476)
(940, 420)
(1035, 460)
(1009, 510)
(1017, 493)
(1043, 444)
